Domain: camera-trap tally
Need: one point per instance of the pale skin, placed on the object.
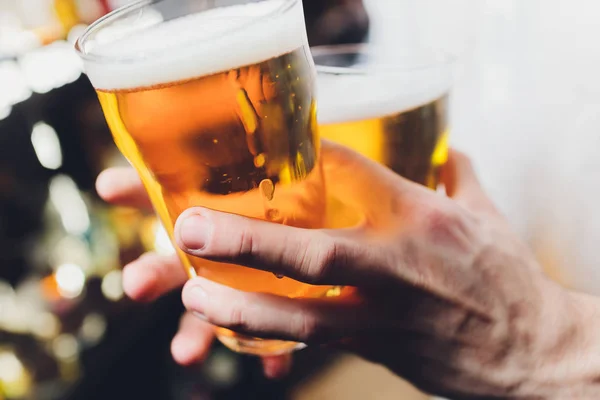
(447, 295)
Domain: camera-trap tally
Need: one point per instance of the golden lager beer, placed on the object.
(395, 115)
(412, 142)
(217, 109)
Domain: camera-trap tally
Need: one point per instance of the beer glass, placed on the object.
(213, 104)
(394, 112)
(392, 108)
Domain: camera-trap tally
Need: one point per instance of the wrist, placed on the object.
(566, 360)
(583, 353)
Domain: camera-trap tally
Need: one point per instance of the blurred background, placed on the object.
(524, 106)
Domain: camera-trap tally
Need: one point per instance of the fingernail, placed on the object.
(199, 292)
(194, 232)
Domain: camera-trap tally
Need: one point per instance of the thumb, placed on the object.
(462, 184)
(318, 257)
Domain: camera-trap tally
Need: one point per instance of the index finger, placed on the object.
(123, 186)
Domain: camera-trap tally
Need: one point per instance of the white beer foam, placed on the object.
(377, 93)
(196, 45)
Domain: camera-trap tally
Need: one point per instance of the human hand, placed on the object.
(153, 275)
(447, 295)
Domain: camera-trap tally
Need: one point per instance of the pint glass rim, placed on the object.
(125, 10)
(429, 62)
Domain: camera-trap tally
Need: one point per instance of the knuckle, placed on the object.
(441, 220)
(244, 248)
(321, 266)
(449, 226)
(436, 219)
(233, 318)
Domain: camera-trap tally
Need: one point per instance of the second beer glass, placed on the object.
(392, 109)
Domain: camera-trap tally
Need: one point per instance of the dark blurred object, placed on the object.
(336, 21)
(23, 193)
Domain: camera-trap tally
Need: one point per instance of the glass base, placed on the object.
(254, 346)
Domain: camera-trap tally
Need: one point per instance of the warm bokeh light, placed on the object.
(162, 242)
(15, 316)
(45, 326)
(65, 347)
(93, 328)
(46, 145)
(69, 204)
(72, 250)
(112, 286)
(154, 236)
(14, 87)
(222, 368)
(15, 381)
(51, 67)
(14, 39)
(70, 280)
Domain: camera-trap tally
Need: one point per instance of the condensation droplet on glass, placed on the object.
(279, 276)
(267, 188)
(215, 141)
(260, 160)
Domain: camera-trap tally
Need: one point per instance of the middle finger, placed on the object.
(152, 276)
